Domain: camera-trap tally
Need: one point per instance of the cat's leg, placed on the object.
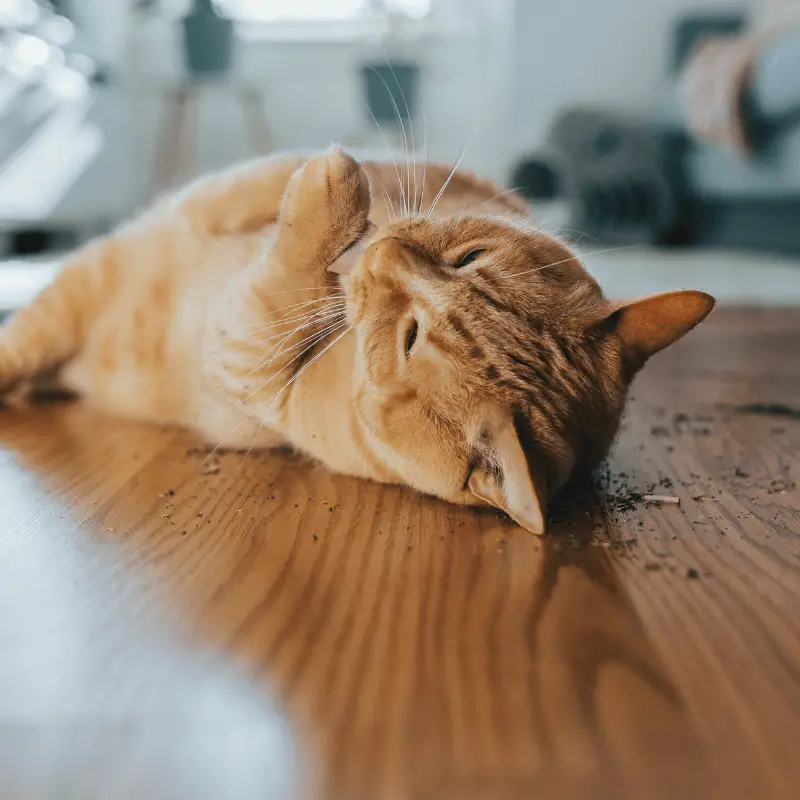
(52, 329)
(324, 209)
(243, 200)
(284, 304)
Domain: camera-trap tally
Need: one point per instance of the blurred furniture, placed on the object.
(58, 126)
(175, 157)
(209, 48)
(616, 174)
(62, 130)
(753, 201)
(649, 180)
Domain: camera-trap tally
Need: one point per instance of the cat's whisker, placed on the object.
(316, 338)
(316, 335)
(308, 307)
(446, 182)
(389, 148)
(326, 328)
(425, 157)
(498, 196)
(368, 448)
(266, 361)
(297, 357)
(460, 158)
(386, 197)
(254, 338)
(252, 443)
(304, 289)
(216, 447)
(286, 336)
(388, 202)
(566, 233)
(310, 363)
(329, 314)
(393, 210)
(577, 257)
(279, 327)
(279, 349)
(338, 294)
(413, 138)
(286, 366)
(402, 132)
(307, 314)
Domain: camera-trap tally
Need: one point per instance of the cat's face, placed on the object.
(489, 364)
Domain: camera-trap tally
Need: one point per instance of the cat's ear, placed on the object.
(507, 477)
(651, 324)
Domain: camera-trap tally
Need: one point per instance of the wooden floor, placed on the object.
(175, 627)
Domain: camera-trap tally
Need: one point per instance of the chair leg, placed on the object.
(255, 121)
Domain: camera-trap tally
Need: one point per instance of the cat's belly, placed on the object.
(133, 365)
(124, 391)
(135, 394)
(142, 357)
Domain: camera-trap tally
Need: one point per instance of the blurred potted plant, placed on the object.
(208, 40)
(391, 80)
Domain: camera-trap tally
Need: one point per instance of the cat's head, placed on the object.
(489, 363)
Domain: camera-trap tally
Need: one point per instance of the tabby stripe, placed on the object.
(459, 327)
(491, 300)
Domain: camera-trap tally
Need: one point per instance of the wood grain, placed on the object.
(269, 630)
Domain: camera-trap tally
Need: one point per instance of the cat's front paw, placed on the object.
(326, 205)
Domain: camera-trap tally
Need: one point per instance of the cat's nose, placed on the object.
(397, 262)
(388, 258)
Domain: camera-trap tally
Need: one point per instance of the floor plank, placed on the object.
(177, 626)
(731, 636)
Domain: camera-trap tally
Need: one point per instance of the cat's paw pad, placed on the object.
(328, 198)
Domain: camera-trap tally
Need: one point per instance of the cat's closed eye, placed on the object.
(468, 258)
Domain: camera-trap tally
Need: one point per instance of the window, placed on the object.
(329, 20)
(280, 11)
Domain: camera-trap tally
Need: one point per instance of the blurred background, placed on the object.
(662, 137)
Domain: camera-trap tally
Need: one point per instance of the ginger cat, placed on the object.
(466, 353)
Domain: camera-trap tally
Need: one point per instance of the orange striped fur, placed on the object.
(467, 354)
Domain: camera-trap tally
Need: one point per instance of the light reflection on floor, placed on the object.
(187, 717)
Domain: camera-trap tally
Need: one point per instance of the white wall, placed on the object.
(612, 53)
(498, 85)
(312, 94)
(101, 27)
